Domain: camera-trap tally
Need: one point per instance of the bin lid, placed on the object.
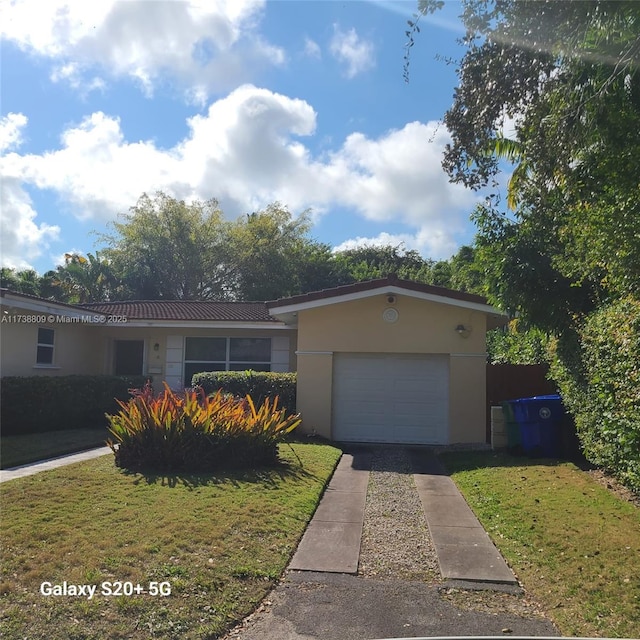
(552, 397)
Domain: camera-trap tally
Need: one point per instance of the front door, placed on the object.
(129, 357)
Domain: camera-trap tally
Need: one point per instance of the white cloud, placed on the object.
(203, 46)
(406, 240)
(11, 127)
(352, 51)
(312, 48)
(248, 150)
(22, 240)
(435, 243)
(399, 174)
(72, 73)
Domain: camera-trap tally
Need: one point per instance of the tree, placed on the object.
(272, 256)
(84, 279)
(25, 281)
(568, 75)
(167, 249)
(370, 262)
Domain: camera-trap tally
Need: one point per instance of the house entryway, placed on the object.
(128, 357)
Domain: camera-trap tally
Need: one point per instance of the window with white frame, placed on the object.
(225, 354)
(44, 350)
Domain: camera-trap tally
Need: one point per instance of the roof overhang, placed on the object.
(201, 324)
(288, 312)
(33, 306)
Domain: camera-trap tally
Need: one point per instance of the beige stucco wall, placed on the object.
(422, 327)
(467, 399)
(314, 388)
(76, 349)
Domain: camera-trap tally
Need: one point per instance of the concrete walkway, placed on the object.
(51, 463)
(323, 599)
(331, 542)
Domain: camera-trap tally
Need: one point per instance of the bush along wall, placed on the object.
(257, 384)
(196, 432)
(34, 404)
(598, 371)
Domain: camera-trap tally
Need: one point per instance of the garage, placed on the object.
(391, 360)
(396, 398)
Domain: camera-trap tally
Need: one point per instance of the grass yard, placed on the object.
(21, 449)
(220, 542)
(573, 544)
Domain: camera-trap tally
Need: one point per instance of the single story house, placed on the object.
(384, 360)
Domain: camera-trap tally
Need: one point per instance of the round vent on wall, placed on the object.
(390, 315)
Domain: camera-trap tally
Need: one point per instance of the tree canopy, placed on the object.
(566, 76)
(166, 248)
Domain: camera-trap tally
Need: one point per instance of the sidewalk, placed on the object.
(52, 463)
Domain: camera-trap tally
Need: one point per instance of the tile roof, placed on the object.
(368, 285)
(185, 310)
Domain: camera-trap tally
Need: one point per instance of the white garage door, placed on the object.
(391, 398)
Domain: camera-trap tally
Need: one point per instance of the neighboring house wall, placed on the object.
(423, 327)
(75, 349)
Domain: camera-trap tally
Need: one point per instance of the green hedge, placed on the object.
(258, 384)
(36, 404)
(598, 371)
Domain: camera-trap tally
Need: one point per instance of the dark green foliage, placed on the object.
(50, 403)
(517, 344)
(598, 372)
(257, 384)
(170, 249)
(372, 262)
(195, 432)
(553, 87)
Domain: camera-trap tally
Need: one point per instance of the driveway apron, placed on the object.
(321, 596)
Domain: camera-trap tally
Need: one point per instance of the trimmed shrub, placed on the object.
(34, 404)
(598, 372)
(260, 385)
(196, 432)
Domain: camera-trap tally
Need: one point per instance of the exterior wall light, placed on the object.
(463, 331)
(156, 346)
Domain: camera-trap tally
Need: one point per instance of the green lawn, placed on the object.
(17, 450)
(219, 542)
(573, 544)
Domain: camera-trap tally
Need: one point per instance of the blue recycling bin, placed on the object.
(514, 438)
(540, 419)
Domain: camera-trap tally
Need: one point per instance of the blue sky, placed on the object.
(245, 101)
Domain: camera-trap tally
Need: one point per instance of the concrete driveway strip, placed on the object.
(331, 542)
(465, 551)
(52, 463)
